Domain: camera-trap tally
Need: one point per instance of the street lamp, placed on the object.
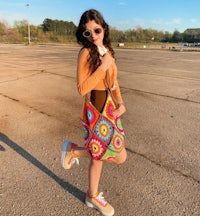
(29, 33)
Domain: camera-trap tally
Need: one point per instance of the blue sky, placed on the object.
(166, 15)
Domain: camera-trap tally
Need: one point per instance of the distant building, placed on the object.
(193, 31)
(193, 34)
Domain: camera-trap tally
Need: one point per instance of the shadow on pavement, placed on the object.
(2, 148)
(67, 186)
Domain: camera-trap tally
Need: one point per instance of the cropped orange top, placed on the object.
(87, 81)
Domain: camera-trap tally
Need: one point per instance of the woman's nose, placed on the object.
(93, 34)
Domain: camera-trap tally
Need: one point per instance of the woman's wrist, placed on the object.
(104, 68)
(122, 107)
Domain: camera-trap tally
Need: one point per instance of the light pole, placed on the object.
(29, 32)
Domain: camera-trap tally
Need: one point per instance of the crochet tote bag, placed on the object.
(103, 133)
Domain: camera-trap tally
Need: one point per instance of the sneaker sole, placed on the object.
(65, 148)
(89, 204)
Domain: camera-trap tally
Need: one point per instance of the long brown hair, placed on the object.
(89, 15)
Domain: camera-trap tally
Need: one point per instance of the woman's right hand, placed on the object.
(106, 60)
(119, 111)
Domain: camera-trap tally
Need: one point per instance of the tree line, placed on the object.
(64, 32)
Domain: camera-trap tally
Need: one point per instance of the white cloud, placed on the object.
(139, 22)
(175, 21)
(193, 20)
(157, 22)
(121, 3)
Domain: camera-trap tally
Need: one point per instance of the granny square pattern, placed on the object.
(92, 115)
(87, 133)
(103, 133)
(108, 109)
(104, 129)
(96, 147)
(118, 124)
(117, 142)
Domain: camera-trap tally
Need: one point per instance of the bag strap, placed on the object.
(109, 89)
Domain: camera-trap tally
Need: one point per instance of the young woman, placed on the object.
(96, 58)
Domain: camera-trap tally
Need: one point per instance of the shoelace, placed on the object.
(101, 199)
(75, 161)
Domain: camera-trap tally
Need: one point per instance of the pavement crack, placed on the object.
(61, 75)
(161, 75)
(162, 166)
(6, 96)
(161, 95)
(24, 104)
(23, 77)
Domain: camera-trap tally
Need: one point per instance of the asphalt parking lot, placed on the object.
(40, 108)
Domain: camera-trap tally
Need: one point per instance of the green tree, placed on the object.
(58, 27)
(21, 27)
(177, 37)
(139, 34)
(2, 28)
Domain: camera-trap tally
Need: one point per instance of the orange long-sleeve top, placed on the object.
(87, 81)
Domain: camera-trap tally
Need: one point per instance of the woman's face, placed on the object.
(94, 33)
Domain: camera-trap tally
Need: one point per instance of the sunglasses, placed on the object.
(88, 33)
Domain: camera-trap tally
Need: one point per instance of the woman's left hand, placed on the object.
(119, 111)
